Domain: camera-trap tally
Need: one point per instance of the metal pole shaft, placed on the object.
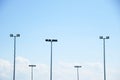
(14, 57)
(77, 74)
(31, 73)
(51, 63)
(104, 59)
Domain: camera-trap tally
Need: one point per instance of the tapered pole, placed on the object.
(77, 71)
(32, 70)
(51, 63)
(51, 41)
(14, 57)
(104, 56)
(104, 59)
(14, 63)
(77, 74)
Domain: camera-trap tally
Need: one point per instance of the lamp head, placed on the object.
(51, 40)
(77, 66)
(48, 40)
(32, 65)
(101, 37)
(54, 40)
(107, 37)
(11, 35)
(18, 35)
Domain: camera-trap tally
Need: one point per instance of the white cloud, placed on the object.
(5, 69)
(22, 65)
(22, 60)
(61, 71)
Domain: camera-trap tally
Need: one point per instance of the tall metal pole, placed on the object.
(104, 60)
(77, 71)
(31, 73)
(32, 70)
(51, 63)
(14, 57)
(51, 40)
(17, 35)
(77, 74)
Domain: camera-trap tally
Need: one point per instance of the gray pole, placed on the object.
(77, 71)
(104, 61)
(104, 58)
(32, 70)
(51, 40)
(31, 73)
(51, 63)
(14, 57)
(17, 35)
(77, 74)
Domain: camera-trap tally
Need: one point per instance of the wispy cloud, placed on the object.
(61, 71)
(5, 69)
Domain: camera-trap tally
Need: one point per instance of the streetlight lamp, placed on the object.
(104, 38)
(32, 70)
(77, 71)
(17, 35)
(51, 41)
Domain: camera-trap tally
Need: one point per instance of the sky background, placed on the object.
(77, 24)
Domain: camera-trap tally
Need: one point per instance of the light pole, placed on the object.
(101, 37)
(77, 71)
(32, 70)
(51, 41)
(17, 35)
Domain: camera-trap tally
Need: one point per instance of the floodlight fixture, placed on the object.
(32, 65)
(51, 40)
(11, 35)
(101, 37)
(107, 37)
(48, 40)
(54, 40)
(77, 66)
(17, 35)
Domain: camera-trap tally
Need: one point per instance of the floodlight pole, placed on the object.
(104, 61)
(32, 70)
(51, 41)
(77, 71)
(17, 35)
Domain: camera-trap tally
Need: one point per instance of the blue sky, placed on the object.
(77, 24)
